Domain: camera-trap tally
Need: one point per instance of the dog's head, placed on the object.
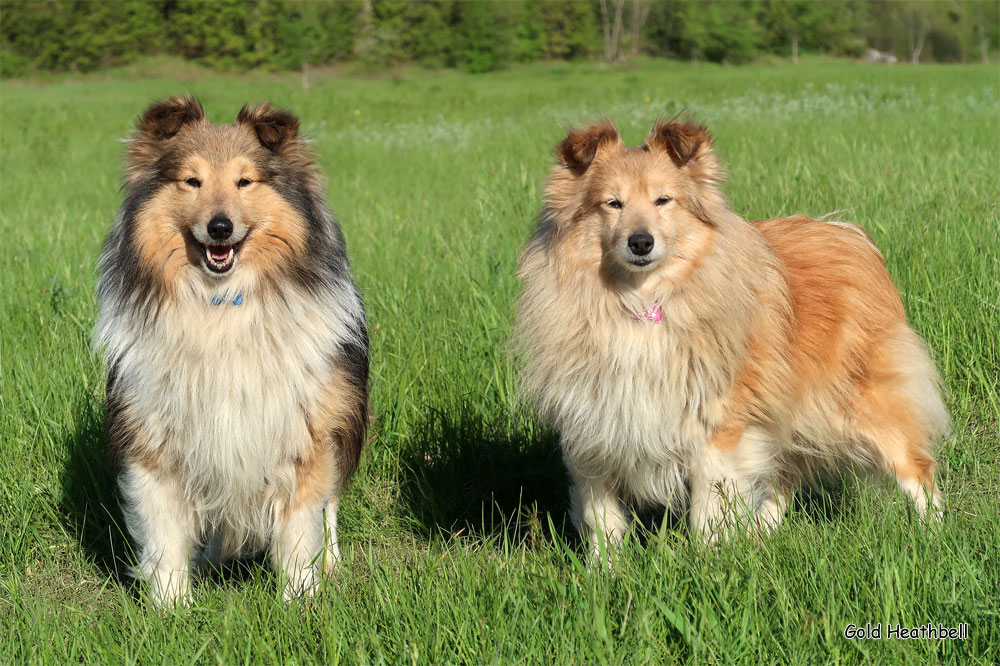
(215, 197)
(650, 207)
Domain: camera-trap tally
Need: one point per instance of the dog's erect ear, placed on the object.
(578, 150)
(165, 118)
(274, 127)
(689, 147)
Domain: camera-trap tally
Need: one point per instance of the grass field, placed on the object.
(456, 540)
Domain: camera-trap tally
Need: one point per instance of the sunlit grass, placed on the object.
(455, 533)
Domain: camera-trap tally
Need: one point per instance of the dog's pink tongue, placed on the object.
(219, 253)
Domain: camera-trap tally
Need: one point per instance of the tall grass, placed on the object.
(455, 534)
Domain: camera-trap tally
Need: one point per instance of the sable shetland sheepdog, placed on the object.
(236, 346)
(686, 354)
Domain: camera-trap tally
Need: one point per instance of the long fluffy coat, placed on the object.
(689, 357)
(237, 368)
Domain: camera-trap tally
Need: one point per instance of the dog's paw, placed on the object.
(331, 558)
(171, 594)
(303, 583)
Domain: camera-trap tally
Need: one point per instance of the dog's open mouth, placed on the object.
(221, 258)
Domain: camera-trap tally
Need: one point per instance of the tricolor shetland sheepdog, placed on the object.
(236, 347)
(686, 355)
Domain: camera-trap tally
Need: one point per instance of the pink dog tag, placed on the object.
(652, 313)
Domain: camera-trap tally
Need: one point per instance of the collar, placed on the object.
(653, 313)
(223, 298)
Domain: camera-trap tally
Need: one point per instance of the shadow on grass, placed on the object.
(471, 477)
(89, 501)
(482, 479)
(825, 502)
(465, 476)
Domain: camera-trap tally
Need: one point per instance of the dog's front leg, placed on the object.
(733, 486)
(598, 514)
(296, 548)
(164, 528)
(332, 555)
(712, 498)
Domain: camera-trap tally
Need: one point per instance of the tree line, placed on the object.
(81, 36)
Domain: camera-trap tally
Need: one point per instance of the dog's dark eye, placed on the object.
(614, 203)
(663, 201)
(243, 182)
(193, 182)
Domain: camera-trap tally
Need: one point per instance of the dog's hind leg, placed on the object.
(901, 449)
(899, 415)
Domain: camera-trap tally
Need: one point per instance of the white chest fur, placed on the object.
(222, 391)
(633, 403)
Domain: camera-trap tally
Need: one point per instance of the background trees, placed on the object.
(76, 35)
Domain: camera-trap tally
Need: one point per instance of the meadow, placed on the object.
(455, 534)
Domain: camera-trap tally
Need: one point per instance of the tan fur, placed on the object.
(160, 242)
(337, 420)
(218, 157)
(315, 474)
(278, 237)
(783, 347)
(337, 426)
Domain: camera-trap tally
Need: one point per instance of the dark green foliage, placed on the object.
(400, 31)
(663, 29)
(487, 36)
(79, 35)
(721, 30)
(570, 28)
(478, 36)
(934, 31)
(481, 46)
(491, 34)
(834, 27)
(425, 34)
(229, 34)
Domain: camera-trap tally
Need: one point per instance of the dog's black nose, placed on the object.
(640, 244)
(221, 228)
